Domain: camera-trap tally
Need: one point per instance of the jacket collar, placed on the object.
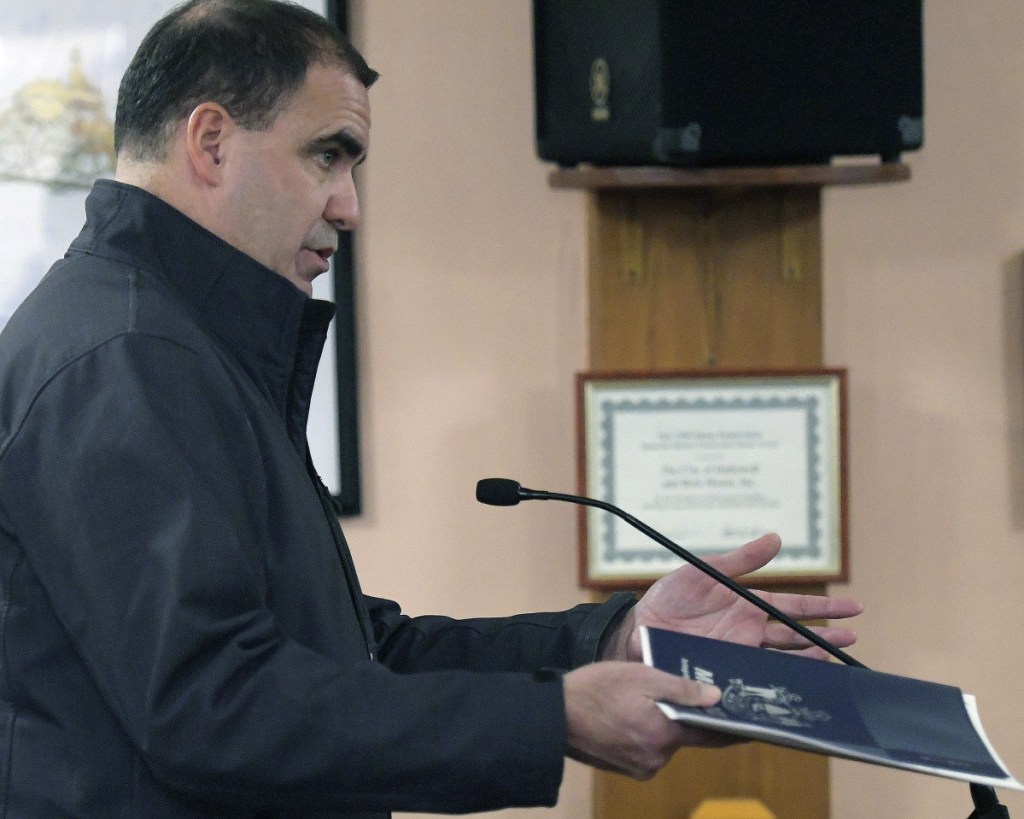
(276, 329)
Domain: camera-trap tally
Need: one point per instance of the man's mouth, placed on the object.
(320, 257)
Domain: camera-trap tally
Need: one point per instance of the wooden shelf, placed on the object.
(592, 177)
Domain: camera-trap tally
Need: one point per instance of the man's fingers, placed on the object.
(814, 607)
(749, 557)
(668, 688)
(613, 720)
(778, 635)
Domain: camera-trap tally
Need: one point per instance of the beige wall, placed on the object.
(472, 325)
(924, 296)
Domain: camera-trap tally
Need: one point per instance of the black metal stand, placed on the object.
(986, 803)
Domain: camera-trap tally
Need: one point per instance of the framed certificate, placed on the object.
(713, 460)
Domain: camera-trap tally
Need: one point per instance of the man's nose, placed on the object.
(342, 209)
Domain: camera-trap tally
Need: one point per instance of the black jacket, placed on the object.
(182, 632)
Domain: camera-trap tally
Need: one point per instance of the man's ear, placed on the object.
(208, 129)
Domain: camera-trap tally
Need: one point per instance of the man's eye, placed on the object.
(327, 158)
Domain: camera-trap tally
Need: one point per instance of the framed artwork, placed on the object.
(60, 68)
(712, 460)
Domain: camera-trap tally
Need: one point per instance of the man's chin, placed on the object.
(308, 266)
(305, 284)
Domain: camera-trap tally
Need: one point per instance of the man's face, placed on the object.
(289, 189)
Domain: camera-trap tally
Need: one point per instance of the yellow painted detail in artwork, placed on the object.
(57, 132)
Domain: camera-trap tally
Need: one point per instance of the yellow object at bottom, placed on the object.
(732, 809)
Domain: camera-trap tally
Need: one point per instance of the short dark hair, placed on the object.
(248, 55)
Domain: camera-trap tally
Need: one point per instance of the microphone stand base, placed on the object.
(995, 812)
(986, 803)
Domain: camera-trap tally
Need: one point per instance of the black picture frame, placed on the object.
(348, 498)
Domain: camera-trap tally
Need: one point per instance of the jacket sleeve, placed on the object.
(525, 642)
(132, 513)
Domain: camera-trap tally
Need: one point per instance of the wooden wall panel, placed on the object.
(706, 278)
(693, 279)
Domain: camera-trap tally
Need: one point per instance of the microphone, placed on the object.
(506, 492)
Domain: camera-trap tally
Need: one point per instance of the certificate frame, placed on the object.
(713, 459)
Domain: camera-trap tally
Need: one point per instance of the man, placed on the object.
(182, 630)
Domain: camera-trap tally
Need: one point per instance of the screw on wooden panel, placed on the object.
(793, 236)
(631, 260)
(711, 307)
(792, 268)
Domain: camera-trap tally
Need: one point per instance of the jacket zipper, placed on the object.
(341, 545)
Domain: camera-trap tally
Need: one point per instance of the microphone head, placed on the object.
(498, 492)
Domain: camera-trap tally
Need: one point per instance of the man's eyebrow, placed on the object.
(344, 141)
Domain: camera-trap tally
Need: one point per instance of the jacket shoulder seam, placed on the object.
(5, 444)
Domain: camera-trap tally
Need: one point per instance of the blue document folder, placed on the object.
(831, 708)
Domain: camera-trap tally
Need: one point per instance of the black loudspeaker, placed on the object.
(726, 82)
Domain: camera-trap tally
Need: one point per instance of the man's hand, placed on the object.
(688, 600)
(614, 723)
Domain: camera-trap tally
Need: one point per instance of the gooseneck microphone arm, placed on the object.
(506, 492)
